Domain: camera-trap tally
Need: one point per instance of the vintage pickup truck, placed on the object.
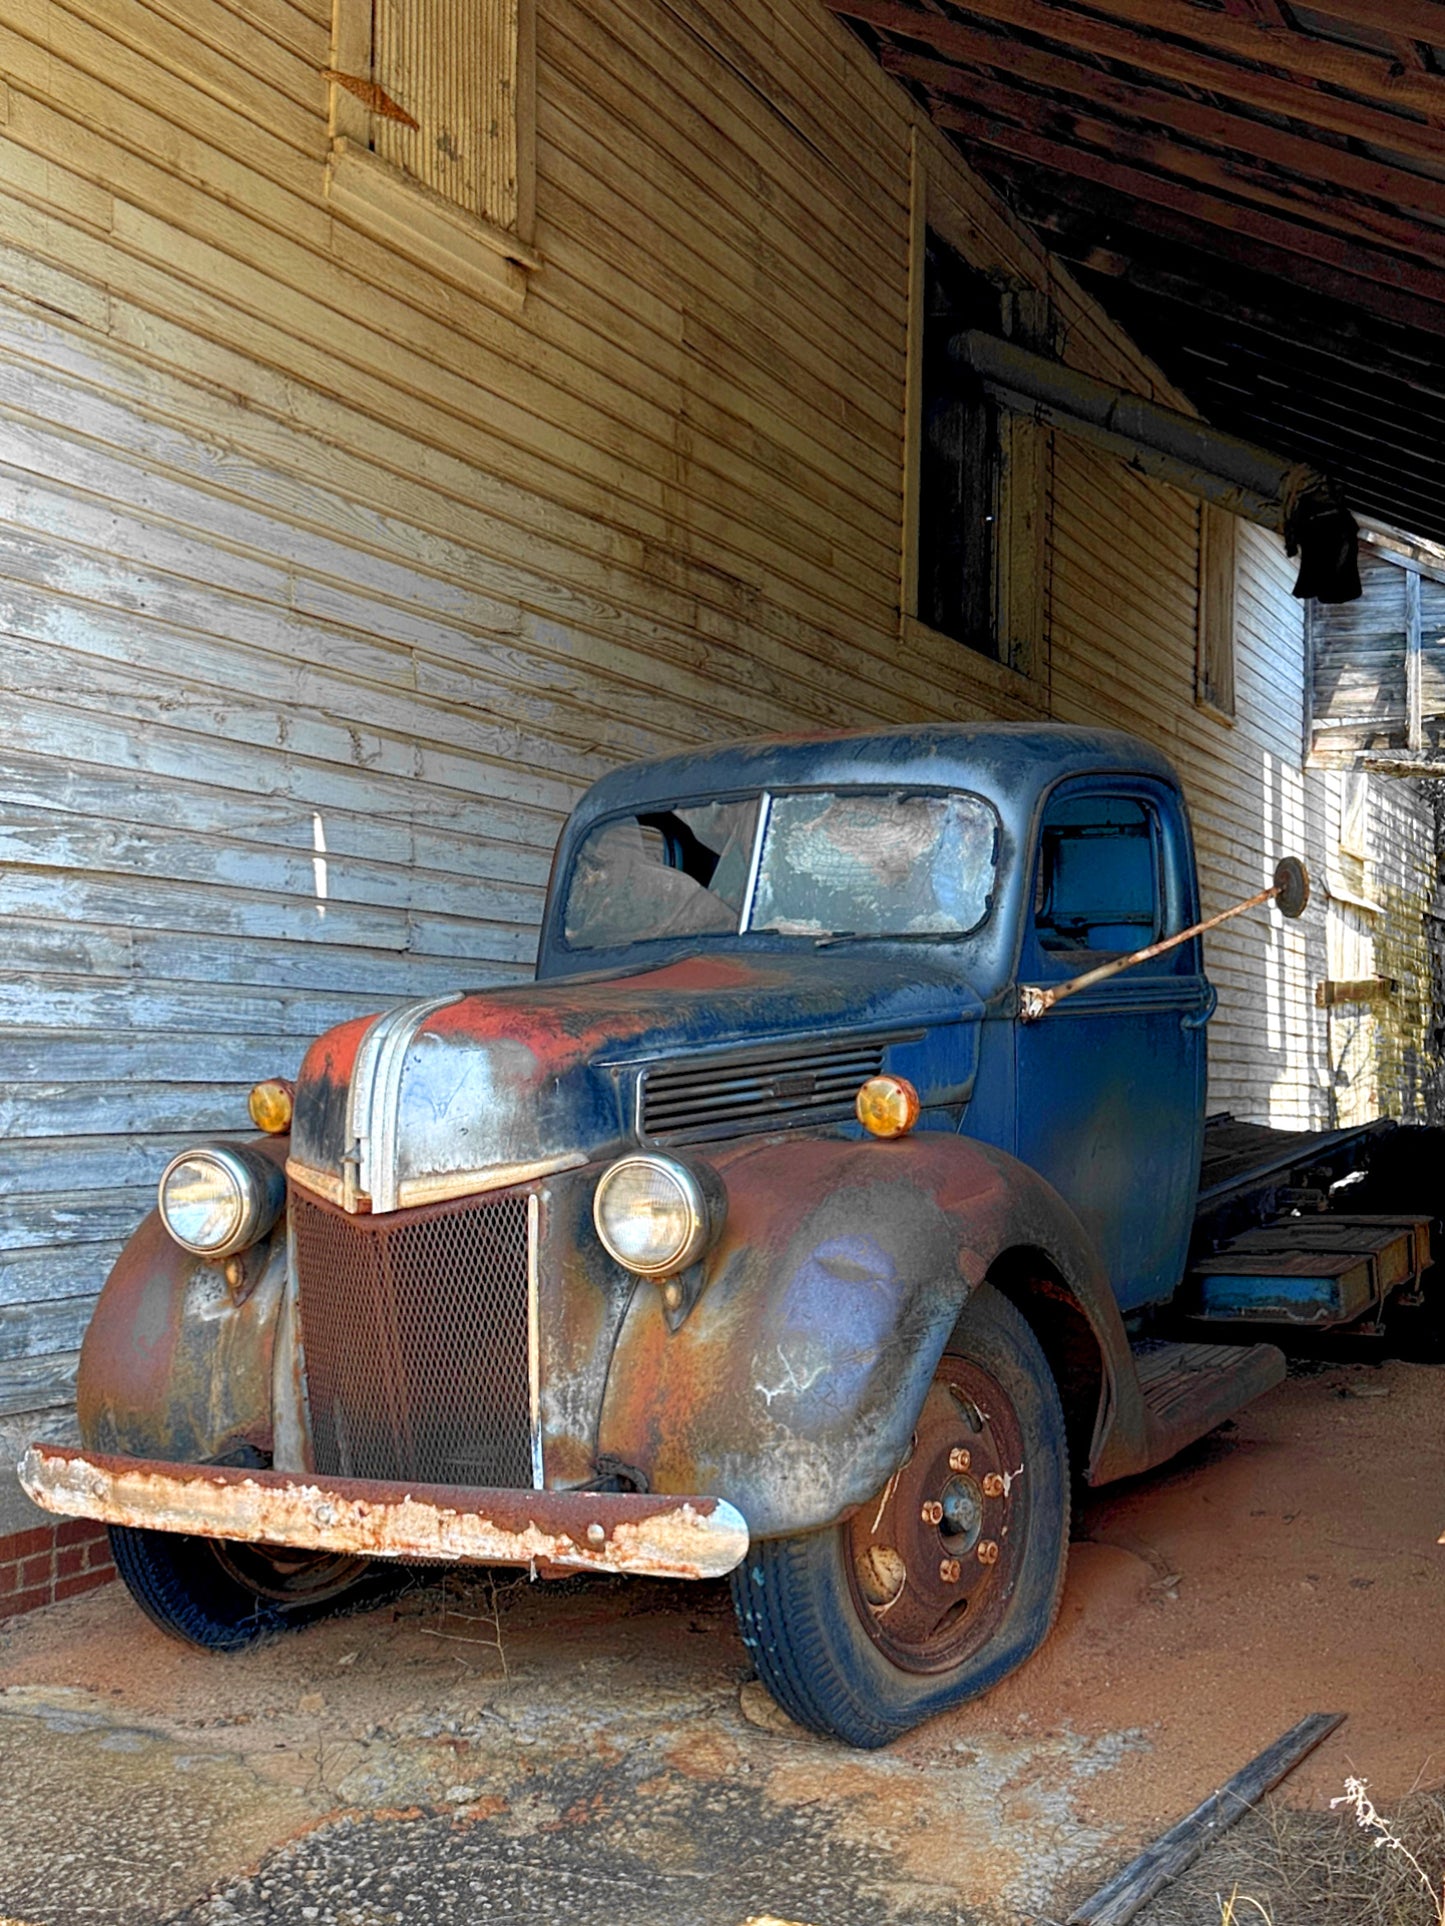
(780, 1228)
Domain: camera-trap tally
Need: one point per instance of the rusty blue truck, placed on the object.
(827, 1205)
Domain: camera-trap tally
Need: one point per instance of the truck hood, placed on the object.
(483, 1089)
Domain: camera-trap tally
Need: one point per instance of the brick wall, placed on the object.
(52, 1562)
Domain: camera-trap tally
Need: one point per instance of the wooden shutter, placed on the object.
(453, 66)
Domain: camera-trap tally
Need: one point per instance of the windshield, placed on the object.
(807, 863)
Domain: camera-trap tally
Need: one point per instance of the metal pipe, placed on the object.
(1200, 450)
(1230, 495)
(1295, 499)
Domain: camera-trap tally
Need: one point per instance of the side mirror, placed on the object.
(1291, 886)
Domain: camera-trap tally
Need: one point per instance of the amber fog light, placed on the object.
(221, 1199)
(887, 1106)
(271, 1104)
(655, 1215)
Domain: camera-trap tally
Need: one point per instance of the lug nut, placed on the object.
(987, 1552)
(596, 1534)
(932, 1513)
(949, 1571)
(993, 1486)
(959, 1459)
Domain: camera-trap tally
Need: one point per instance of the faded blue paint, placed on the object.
(1104, 1097)
(1322, 1298)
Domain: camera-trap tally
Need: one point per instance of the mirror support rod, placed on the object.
(1291, 886)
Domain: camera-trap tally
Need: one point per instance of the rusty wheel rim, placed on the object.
(932, 1559)
(287, 1575)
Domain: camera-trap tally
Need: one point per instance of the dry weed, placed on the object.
(1278, 1867)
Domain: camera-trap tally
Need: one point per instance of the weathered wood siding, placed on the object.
(325, 585)
(1379, 663)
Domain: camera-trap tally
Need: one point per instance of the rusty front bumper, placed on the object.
(663, 1537)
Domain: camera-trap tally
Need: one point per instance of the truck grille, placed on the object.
(711, 1096)
(416, 1330)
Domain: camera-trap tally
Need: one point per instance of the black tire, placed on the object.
(223, 1596)
(828, 1655)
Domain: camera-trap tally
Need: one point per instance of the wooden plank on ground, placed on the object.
(1128, 1891)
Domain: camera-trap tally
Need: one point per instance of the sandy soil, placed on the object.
(1287, 1565)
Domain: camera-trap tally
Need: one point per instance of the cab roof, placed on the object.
(1011, 763)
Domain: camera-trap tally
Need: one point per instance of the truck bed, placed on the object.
(1289, 1229)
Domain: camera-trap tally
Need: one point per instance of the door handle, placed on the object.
(1197, 1019)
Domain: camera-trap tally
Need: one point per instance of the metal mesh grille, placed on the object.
(416, 1338)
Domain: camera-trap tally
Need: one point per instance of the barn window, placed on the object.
(958, 456)
(976, 471)
(432, 135)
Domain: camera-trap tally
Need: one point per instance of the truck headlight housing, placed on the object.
(220, 1200)
(657, 1216)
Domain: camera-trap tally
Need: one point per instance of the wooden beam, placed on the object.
(1082, 33)
(1372, 76)
(1259, 242)
(1308, 157)
(1223, 174)
(1366, 263)
(1420, 19)
(1176, 1850)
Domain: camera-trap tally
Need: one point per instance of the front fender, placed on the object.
(793, 1386)
(176, 1364)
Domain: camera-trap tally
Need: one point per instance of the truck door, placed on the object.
(1110, 1083)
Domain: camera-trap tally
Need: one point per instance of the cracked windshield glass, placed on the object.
(832, 864)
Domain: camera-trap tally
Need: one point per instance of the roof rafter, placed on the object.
(1147, 53)
(1254, 240)
(1419, 19)
(1364, 263)
(1372, 75)
(1087, 141)
(1310, 159)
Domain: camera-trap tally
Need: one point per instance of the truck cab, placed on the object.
(763, 1233)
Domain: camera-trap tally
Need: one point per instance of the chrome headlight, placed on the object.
(655, 1215)
(221, 1199)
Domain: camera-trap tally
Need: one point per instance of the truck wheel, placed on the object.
(950, 1576)
(223, 1595)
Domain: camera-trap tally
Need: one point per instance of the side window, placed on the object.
(1098, 887)
(670, 872)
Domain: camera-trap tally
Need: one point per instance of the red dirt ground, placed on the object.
(1287, 1565)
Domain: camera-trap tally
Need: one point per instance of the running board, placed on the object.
(1189, 1389)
